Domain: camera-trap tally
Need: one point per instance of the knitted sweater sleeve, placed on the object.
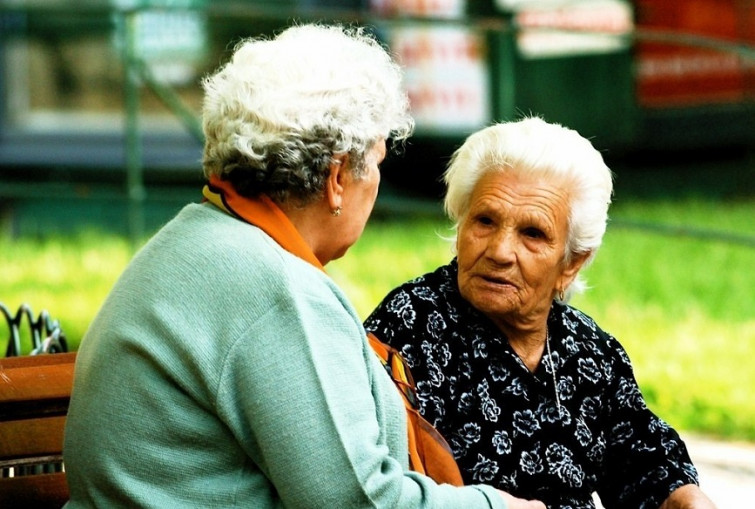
(307, 400)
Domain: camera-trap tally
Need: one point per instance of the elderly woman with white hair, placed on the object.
(532, 395)
(226, 369)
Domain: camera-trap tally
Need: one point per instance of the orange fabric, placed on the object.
(263, 213)
(429, 454)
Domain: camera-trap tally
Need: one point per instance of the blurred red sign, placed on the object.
(446, 75)
(677, 74)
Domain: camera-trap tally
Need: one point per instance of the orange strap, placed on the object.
(429, 453)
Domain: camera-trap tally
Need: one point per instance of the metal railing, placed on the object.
(44, 333)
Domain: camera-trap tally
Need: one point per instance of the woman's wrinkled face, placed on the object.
(511, 245)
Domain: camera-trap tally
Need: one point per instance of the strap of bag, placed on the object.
(429, 453)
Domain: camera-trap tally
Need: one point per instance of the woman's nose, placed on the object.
(502, 246)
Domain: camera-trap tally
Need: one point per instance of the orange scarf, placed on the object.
(429, 454)
(263, 213)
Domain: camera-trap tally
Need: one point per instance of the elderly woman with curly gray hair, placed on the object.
(533, 396)
(226, 369)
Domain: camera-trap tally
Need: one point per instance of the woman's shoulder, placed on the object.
(579, 328)
(425, 291)
(222, 258)
(432, 286)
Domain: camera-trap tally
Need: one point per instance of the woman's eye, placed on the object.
(534, 233)
(484, 220)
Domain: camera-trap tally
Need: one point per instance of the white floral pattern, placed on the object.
(502, 420)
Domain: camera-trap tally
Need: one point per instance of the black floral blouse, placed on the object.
(505, 424)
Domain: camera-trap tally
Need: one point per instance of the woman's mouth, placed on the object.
(498, 281)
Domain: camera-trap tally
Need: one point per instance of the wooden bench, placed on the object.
(34, 396)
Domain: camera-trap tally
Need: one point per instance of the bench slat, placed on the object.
(40, 382)
(34, 396)
(32, 437)
(41, 491)
(25, 361)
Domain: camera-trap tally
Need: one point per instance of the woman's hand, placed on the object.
(519, 503)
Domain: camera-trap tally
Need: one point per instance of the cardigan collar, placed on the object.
(263, 213)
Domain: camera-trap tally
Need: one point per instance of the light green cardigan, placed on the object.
(223, 371)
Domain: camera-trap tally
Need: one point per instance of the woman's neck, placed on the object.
(529, 348)
(308, 221)
(526, 334)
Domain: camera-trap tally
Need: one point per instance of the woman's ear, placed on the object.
(571, 269)
(335, 184)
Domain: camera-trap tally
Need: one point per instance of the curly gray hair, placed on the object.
(276, 114)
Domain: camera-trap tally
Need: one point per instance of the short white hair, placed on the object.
(283, 106)
(532, 146)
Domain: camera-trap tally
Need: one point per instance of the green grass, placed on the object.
(682, 306)
(69, 277)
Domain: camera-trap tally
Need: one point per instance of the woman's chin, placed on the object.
(497, 302)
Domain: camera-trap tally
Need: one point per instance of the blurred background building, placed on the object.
(100, 99)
